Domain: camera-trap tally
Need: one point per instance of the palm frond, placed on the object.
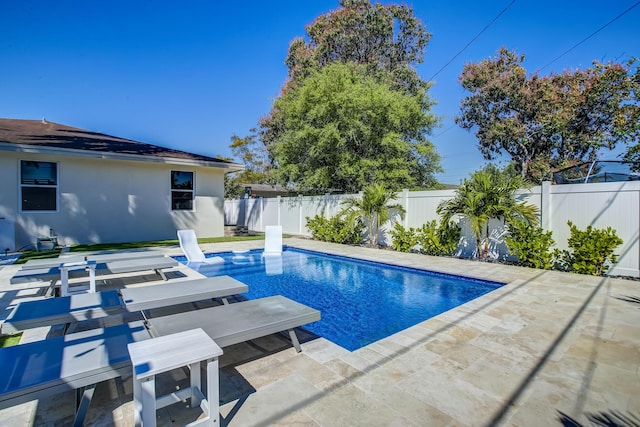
(489, 193)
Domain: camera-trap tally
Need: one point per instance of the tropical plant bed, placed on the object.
(485, 260)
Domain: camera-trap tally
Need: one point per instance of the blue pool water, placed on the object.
(360, 302)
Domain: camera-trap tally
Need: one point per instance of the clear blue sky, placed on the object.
(189, 74)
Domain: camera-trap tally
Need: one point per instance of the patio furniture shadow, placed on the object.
(629, 298)
(610, 418)
(233, 386)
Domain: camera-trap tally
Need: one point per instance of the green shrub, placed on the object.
(403, 240)
(335, 230)
(439, 239)
(531, 244)
(590, 251)
(10, 340)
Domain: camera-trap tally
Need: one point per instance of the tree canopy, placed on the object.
(339, 121)
(254, 156)
(387, 39)
(547, 122)
(342, 129)
(250, 152)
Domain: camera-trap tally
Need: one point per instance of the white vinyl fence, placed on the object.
(614, 204)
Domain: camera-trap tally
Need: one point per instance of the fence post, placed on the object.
(326, 202)
(545, 205)
(299, 213)
(405, 205)
(279, 200)
(261, 213)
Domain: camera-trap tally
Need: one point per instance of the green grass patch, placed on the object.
(9, 340)
(27, 255)
(127, 245)
(140, 245)
(33, 254)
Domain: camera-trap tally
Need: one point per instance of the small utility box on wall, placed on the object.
(7, 235)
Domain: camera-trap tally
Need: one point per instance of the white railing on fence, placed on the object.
(614, 204)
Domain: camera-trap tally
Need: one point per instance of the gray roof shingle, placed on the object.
(41, 133)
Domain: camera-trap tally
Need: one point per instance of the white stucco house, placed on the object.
(88, 187)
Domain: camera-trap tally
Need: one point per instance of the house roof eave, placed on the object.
(27, 148)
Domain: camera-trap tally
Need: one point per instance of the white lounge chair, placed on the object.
(98, 257)
(77, 270)
(238, 322)
(273, 240)
(92, 306)
(189, 245)
(82, 359)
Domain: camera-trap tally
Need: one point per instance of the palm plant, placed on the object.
(374, 208)
(489, 193)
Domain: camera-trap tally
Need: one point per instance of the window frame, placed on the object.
(55, 186)
(173, 190)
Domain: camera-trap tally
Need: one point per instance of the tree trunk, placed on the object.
(373, 233)
(524, 166)
(486, 242)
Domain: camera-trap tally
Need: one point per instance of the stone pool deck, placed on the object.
(549, 348)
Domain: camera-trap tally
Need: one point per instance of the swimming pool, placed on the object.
(361, 302)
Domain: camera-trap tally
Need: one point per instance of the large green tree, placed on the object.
(387, 39)
(342, 129)
(253, 154)
(384, 42)
(547, 122)
(632, 118)
(250, 152)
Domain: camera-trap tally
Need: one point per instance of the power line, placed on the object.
(591, 35)
(444, 131)
(458, 154)
(472, 40)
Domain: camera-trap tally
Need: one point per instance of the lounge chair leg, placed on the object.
(196, 384)
(51, 291)
(294, 340)
(92, 277)
(161, 273)
(70, 328)
(213, 392)
(64, 282)
(83, 400)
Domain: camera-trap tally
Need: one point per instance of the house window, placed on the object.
(181, 191)
(38, 185)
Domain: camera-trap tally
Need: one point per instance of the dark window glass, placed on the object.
(38, 199)
(38, 173)
(39, 182)
(181, 200)
(181, 180)
(181, 191)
